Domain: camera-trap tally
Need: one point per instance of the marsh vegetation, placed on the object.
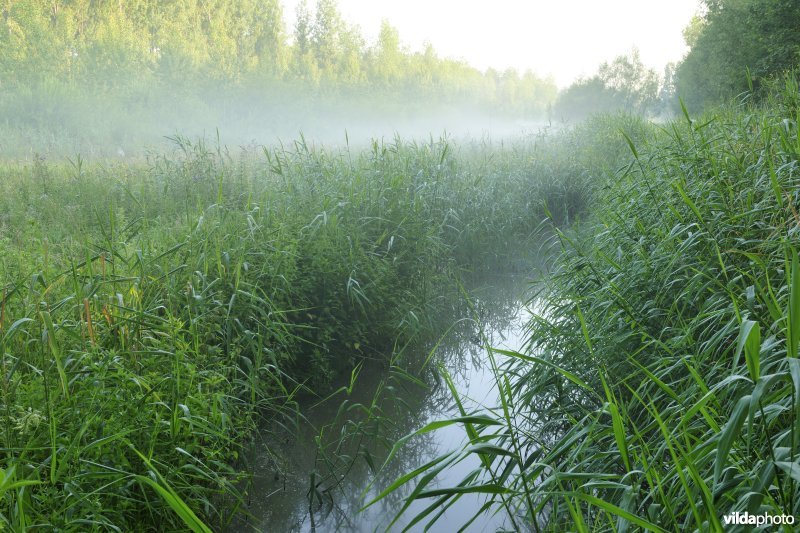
(190, 285)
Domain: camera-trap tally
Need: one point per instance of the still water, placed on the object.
(320, 479)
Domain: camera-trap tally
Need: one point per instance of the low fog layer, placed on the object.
(66, 124)
(112, 78)
(129, 74)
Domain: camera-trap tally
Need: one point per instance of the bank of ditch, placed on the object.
(660, 388)
(151, 312)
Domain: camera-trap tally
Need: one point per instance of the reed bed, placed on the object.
(151, 313)
(660, 389)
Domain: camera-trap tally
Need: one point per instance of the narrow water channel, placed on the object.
(281, 498)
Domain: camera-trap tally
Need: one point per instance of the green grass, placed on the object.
(154, 313)
(150, 313)
(660, 389)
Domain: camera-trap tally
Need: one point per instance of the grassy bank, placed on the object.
(151, 311)
(679, 319)
(661, 386)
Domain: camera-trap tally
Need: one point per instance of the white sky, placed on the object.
(563, 38)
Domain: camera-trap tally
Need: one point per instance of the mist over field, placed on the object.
(104, 126)
(259, 275)
(123, 78)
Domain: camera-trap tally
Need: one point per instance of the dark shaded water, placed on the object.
(355, 430)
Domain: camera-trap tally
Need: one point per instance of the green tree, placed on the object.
(131, 52)
(270, 38)
(635, 85)
(304, 65)
(326, 34)
(584, 97)
(624, 84)
(386, 59)
(732, 38)
(34, 41)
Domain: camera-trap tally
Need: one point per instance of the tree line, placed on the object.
(115, 45)
(55, 50)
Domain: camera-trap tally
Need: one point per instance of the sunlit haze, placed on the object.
(566, 39)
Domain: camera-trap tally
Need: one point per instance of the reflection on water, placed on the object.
(319, 478)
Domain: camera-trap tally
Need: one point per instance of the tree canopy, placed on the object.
(624, 84)
(105, 45)
(732, 37)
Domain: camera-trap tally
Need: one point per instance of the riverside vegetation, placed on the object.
(156, 310)
(152, 312)
(660, 388)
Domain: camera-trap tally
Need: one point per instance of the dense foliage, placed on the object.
(732, 37)
(150, 313)
(660, 387)
(673, 331)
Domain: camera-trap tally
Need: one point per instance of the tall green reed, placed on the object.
(152, 313)
(659, 387)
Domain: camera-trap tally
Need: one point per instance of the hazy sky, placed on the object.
(565, 38)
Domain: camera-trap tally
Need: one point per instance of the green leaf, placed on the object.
(584, 330)
(729, 434)
(7, 481)
(750, 341)
(794, 307)
(177, 504)
(168, 494)
(14, 327)
(791, 468)
(616, 424)
(488, 488)
(55, 349)
(618, 511)
(688, 201)
(630, 145)
(533, 359)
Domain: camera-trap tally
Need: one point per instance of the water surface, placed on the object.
(281, 498)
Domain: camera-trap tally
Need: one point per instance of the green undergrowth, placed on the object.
(660, 389)
(150, 313)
